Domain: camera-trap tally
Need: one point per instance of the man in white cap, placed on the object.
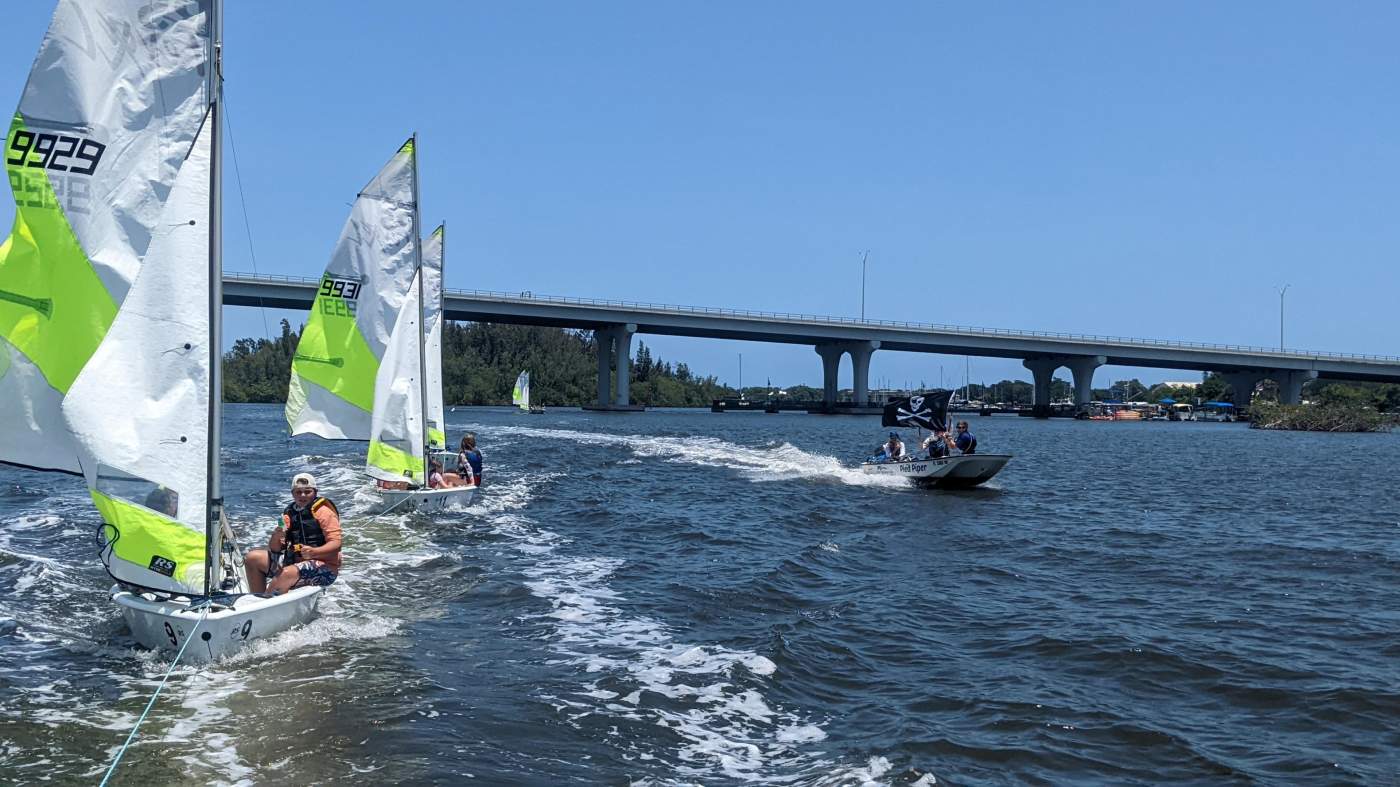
(306, 544)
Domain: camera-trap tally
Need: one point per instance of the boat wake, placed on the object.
(778, 462)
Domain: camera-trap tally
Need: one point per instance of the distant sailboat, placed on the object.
(110, 311)
(520, 397)
(361, 371)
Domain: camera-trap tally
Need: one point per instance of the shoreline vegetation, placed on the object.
(481, 361)
(1318, 418)
(479, 364)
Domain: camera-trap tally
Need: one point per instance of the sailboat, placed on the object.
(110, 312)
(520, 396)
(930, 411)
(362, 368)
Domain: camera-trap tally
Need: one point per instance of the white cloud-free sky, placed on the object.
(1141, 170)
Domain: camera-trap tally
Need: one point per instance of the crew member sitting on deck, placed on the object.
(469, 460)
(304, 548)
(966, 442)
(893, 450)
(438, 479)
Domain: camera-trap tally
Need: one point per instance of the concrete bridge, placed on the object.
(615, 322)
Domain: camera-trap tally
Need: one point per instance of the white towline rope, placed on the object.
(132, 736)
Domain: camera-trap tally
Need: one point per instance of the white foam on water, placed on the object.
(784, 462)
(726, 725)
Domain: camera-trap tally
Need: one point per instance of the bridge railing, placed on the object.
(528, 296)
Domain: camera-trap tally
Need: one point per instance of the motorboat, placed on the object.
(949, 472)
(930, 411)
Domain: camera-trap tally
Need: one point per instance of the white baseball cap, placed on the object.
(303, 479)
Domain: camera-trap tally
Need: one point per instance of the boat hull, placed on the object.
(950, 472)
(167, 624)
(427, 500)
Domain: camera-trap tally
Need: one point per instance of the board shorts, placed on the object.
(313, 572)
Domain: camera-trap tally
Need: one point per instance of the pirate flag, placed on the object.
(928, 410)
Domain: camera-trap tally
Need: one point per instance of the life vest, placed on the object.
(303, 528)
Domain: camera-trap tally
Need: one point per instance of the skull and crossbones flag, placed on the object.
(928, 410)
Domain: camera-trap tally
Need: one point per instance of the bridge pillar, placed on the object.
(831, 364)
(860, 370)
(1290, 384)
(603, 338)
(1042, 372)
(1243, 383)
(622, 335)
(1083, 369)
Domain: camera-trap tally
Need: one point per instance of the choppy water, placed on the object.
(687, 598)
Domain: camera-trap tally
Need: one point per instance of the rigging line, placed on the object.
(132, 736)
(247, 226)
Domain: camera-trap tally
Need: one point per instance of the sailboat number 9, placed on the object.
(55, 152)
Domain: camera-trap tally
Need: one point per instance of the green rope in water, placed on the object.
(129, 738)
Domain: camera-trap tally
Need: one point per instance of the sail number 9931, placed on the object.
(58, 152)
(338, 297)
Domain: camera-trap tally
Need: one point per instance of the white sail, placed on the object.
(109, 113)
(140, 408)
(433, 260)
(362, 294)
(396, 447)
(520, 397)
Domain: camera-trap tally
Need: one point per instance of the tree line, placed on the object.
(480, 362)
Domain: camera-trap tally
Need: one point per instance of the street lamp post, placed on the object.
(862, 284)
(1280, 315)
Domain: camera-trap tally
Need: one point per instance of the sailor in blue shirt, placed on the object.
(965, 441)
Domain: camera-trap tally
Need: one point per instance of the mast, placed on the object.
(422, 337)
(215, 505)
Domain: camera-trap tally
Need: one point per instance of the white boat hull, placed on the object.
(950, 472)
(406, 500)
(227, 628)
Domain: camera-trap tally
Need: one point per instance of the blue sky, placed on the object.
(1112, 168)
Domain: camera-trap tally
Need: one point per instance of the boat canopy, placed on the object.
(1219, 404)
(1166, 401)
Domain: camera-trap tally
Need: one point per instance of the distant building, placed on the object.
(1181, 384)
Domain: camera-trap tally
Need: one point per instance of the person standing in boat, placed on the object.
(893, 449)
(306, 543)
(965, 441)
(938, 445)
(469, 460)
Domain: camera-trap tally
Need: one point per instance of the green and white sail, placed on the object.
(396, 448)
(140, 409)
(105, 280)
(433, 259)
(520, 397)
(342, 347)
(103, 129)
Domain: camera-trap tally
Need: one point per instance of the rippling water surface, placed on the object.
(688, 598)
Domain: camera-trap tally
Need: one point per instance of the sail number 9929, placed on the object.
(58, 152)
